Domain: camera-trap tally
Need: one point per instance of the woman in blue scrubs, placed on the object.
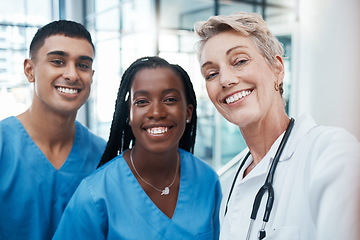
(155, 188)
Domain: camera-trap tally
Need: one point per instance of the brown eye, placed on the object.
(57, 62)
(140, 102)
(84, 66)
(171, 100)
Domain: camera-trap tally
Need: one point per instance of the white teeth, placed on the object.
(157, 130)
(237, 96)
(67, 90)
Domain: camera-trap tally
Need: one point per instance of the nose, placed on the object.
(70, 73)
(228, 78)
(157, 110)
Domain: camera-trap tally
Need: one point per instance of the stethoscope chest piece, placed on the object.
(262, 234)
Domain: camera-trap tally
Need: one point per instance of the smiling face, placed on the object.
(239, 81)
(62, 74)
(158, 109)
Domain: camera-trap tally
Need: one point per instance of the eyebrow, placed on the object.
(171, 90)
(165, 91)
(65, 54)
(226, 53)
(234, 48)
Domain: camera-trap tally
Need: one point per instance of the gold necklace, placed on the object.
(166, 190)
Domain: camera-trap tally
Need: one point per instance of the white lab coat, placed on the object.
(316, 186)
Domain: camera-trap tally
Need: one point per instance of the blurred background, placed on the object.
(320, 37)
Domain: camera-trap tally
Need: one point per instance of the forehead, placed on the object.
(223, 43)
(73, 46)
(157, 78)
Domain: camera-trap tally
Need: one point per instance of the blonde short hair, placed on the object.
(248, 24)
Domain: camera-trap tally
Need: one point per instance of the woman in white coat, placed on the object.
(316, 181)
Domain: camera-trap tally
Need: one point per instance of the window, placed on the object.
(126, 30)
(19, 20)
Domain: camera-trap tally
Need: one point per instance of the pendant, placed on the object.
(165, 191)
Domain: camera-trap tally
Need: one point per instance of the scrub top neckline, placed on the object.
(41, 154)
(147, 199)
(42, 168)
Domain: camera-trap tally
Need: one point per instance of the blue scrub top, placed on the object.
(110, 204)
(33, 194)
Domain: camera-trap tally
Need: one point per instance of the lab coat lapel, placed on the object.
(299, 130)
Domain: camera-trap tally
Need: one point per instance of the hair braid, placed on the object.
(119, 123)
(187, 141)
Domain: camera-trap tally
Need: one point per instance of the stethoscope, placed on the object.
(267, 187)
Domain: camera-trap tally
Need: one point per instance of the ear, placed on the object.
(279, 68)
(29, 70)
(189, 111)
(92, 75)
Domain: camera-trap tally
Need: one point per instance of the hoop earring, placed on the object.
(276, 86)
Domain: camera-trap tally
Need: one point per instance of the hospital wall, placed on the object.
(327, 58)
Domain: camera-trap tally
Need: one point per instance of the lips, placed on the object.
(68, 90)
(237, 96)
(157, 130)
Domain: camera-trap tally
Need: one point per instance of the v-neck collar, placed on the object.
(41, 166)
(151, 205)
(45, 160)
(165, 226)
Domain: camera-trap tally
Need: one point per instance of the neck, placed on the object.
(52, 133)
(261, 135)
(157, 167)
(50, 129)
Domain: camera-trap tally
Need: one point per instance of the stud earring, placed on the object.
(276, 86)
(187, 120)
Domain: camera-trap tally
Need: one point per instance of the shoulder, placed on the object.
(332, 139)
(329, 145)
(9, 122)
(112, 175)
(324, 144)
(322, 137)
(86, 135)
(197, 166)
(10, 129)
(332, 135)
(103, 174)
(201, 177)
(193, 160)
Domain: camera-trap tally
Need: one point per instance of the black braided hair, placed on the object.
(187, 140)
(121, 135)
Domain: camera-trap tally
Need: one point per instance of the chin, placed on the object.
(243, 120)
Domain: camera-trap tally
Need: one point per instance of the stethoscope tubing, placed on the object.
(266, 187)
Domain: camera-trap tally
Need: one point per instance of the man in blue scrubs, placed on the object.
(45, 152)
